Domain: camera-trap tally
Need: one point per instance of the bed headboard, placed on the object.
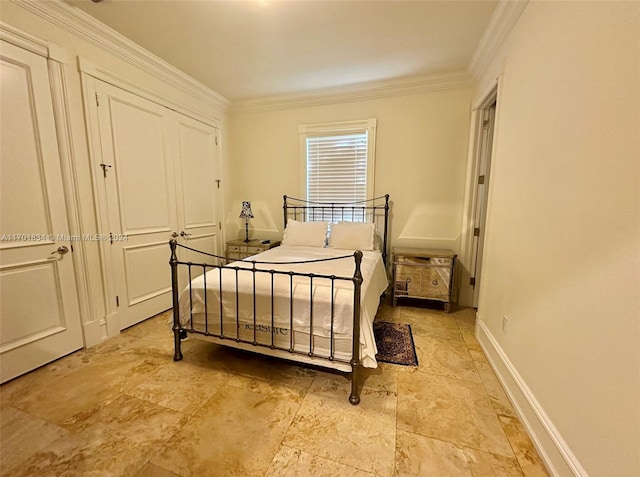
(370, 210)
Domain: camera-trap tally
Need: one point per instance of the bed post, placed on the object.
(386, 227)
(354, 398)
(173, 261)
(284, 207)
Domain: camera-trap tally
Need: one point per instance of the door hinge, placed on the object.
(72, 248)
(218, 182)
(485, 124)
(97, 100)
(104, 169)
(117, 300)
(216, 140)
(476, 232)
(220, 225)
(472, 281)
(480, 179)
(111, 237)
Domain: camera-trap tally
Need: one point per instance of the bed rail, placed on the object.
(256, 270)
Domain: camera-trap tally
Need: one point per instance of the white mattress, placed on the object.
(374, 284)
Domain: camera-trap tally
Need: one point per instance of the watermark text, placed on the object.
(63, 238)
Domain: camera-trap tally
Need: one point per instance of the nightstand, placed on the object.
(239, 249)
(424, 274)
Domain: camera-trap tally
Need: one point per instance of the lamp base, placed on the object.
(246, 231)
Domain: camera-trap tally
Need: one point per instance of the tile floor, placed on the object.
(124, 408)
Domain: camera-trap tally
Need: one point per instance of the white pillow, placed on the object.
(309, 234)
(352, 235)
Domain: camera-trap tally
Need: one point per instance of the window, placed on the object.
(338, 163)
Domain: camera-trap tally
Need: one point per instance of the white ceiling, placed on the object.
(246, 49)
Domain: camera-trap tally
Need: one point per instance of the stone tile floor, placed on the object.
(124, 408)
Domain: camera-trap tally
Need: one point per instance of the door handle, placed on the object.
(62, 249)
(174, 235)
(185, 234)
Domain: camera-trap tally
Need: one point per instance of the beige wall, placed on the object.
(562, 255)
(420, 161)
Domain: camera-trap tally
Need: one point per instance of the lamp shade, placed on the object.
(246, 213)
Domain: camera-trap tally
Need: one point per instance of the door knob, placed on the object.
(185, 234)
(174, 235)
(62, 249)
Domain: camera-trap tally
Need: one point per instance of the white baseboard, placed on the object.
(96, 331)
(93, 333)
(551, 447)
(113, 325)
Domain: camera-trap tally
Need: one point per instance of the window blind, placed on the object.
(337, 168)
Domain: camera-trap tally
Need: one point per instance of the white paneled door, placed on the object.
(482, 194)
(159, 170)
(39, 315)
(137, 170)
(196, 169)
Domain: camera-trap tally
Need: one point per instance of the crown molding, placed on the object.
(502, 22)
(81, 24)
(23, 40)
(88, 67)
(357, 92)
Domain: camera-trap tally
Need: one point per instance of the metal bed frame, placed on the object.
(370, 210)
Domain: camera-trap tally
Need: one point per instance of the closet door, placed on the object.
(138, 174)
(196, 166)
(39, 315)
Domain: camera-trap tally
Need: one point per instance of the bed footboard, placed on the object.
(284, 347)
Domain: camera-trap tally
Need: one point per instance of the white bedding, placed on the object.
(374, 284)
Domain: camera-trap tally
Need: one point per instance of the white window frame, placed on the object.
(343, 127)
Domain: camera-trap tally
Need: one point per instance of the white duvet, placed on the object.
(314, 320)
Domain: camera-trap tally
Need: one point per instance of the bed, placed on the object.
(311, 300)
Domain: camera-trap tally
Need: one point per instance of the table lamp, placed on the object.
(246, 214)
